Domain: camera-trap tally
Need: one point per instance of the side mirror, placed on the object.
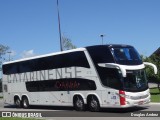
(152, 65)
(113, 65)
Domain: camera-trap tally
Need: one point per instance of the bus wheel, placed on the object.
(17, 102)
(94, 104)
(79, 103)
(25, 102)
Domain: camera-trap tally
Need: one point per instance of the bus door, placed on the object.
(7, 96)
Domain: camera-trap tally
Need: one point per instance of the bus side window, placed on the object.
(111, 78)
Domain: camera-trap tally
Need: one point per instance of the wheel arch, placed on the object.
(17, 101)
(17, 96)
(93, 94)
(81, 95)
(24, 95)
(25, 102)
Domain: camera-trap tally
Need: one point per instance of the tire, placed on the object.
(17, 102)
(25, 102)
(93, 104)
(79, 103)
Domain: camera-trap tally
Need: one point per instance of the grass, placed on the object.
(155, 95)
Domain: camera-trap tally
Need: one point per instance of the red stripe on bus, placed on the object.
(122, 97)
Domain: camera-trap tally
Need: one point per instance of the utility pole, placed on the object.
(9, 55)
(59, 24)
(102, 36)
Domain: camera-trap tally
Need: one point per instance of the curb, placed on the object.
(152, 103)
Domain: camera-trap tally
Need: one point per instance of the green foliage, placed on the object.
(67, 43)
(155, 95)
(155, 59)
(0, 84)
(3, 50)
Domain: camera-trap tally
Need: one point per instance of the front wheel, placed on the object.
(25, 102)
(93, 104)
(79, 103)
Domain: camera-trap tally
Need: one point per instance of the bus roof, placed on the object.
(67, 51)
(45, 55)
(111, 45)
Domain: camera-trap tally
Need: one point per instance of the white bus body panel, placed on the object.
(107, 97)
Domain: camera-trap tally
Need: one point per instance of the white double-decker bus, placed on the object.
(96, 76)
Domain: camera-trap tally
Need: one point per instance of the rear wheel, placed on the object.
(79, 103)
(93, 104)
(17, 102)
(25, 102)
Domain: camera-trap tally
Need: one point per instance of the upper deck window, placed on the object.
(126, 56)
(72, 59)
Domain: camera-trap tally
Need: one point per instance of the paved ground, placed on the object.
(65, 113)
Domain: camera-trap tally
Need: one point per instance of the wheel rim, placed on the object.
(79, 103)
(17, 102)
(94, 104)
(25, 103)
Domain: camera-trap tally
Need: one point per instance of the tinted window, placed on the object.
(100, 54)
(110, 77)
(126, 56)
(10, 68)
(77, 59)
(135, 81)
(61, 85)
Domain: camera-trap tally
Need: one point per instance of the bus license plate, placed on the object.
(140, 102)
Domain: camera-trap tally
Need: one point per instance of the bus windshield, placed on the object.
(135, 81)
(126, 55)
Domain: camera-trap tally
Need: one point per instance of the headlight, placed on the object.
(125, 96)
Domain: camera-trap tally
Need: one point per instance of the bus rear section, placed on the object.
(65, 78)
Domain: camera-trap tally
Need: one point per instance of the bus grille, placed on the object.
(139, 97)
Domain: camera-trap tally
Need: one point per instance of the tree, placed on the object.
(155, 59)
(3, 50)
(0, 85)
(67, 43)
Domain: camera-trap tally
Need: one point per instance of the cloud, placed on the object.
(29, 53)
(13, 53)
